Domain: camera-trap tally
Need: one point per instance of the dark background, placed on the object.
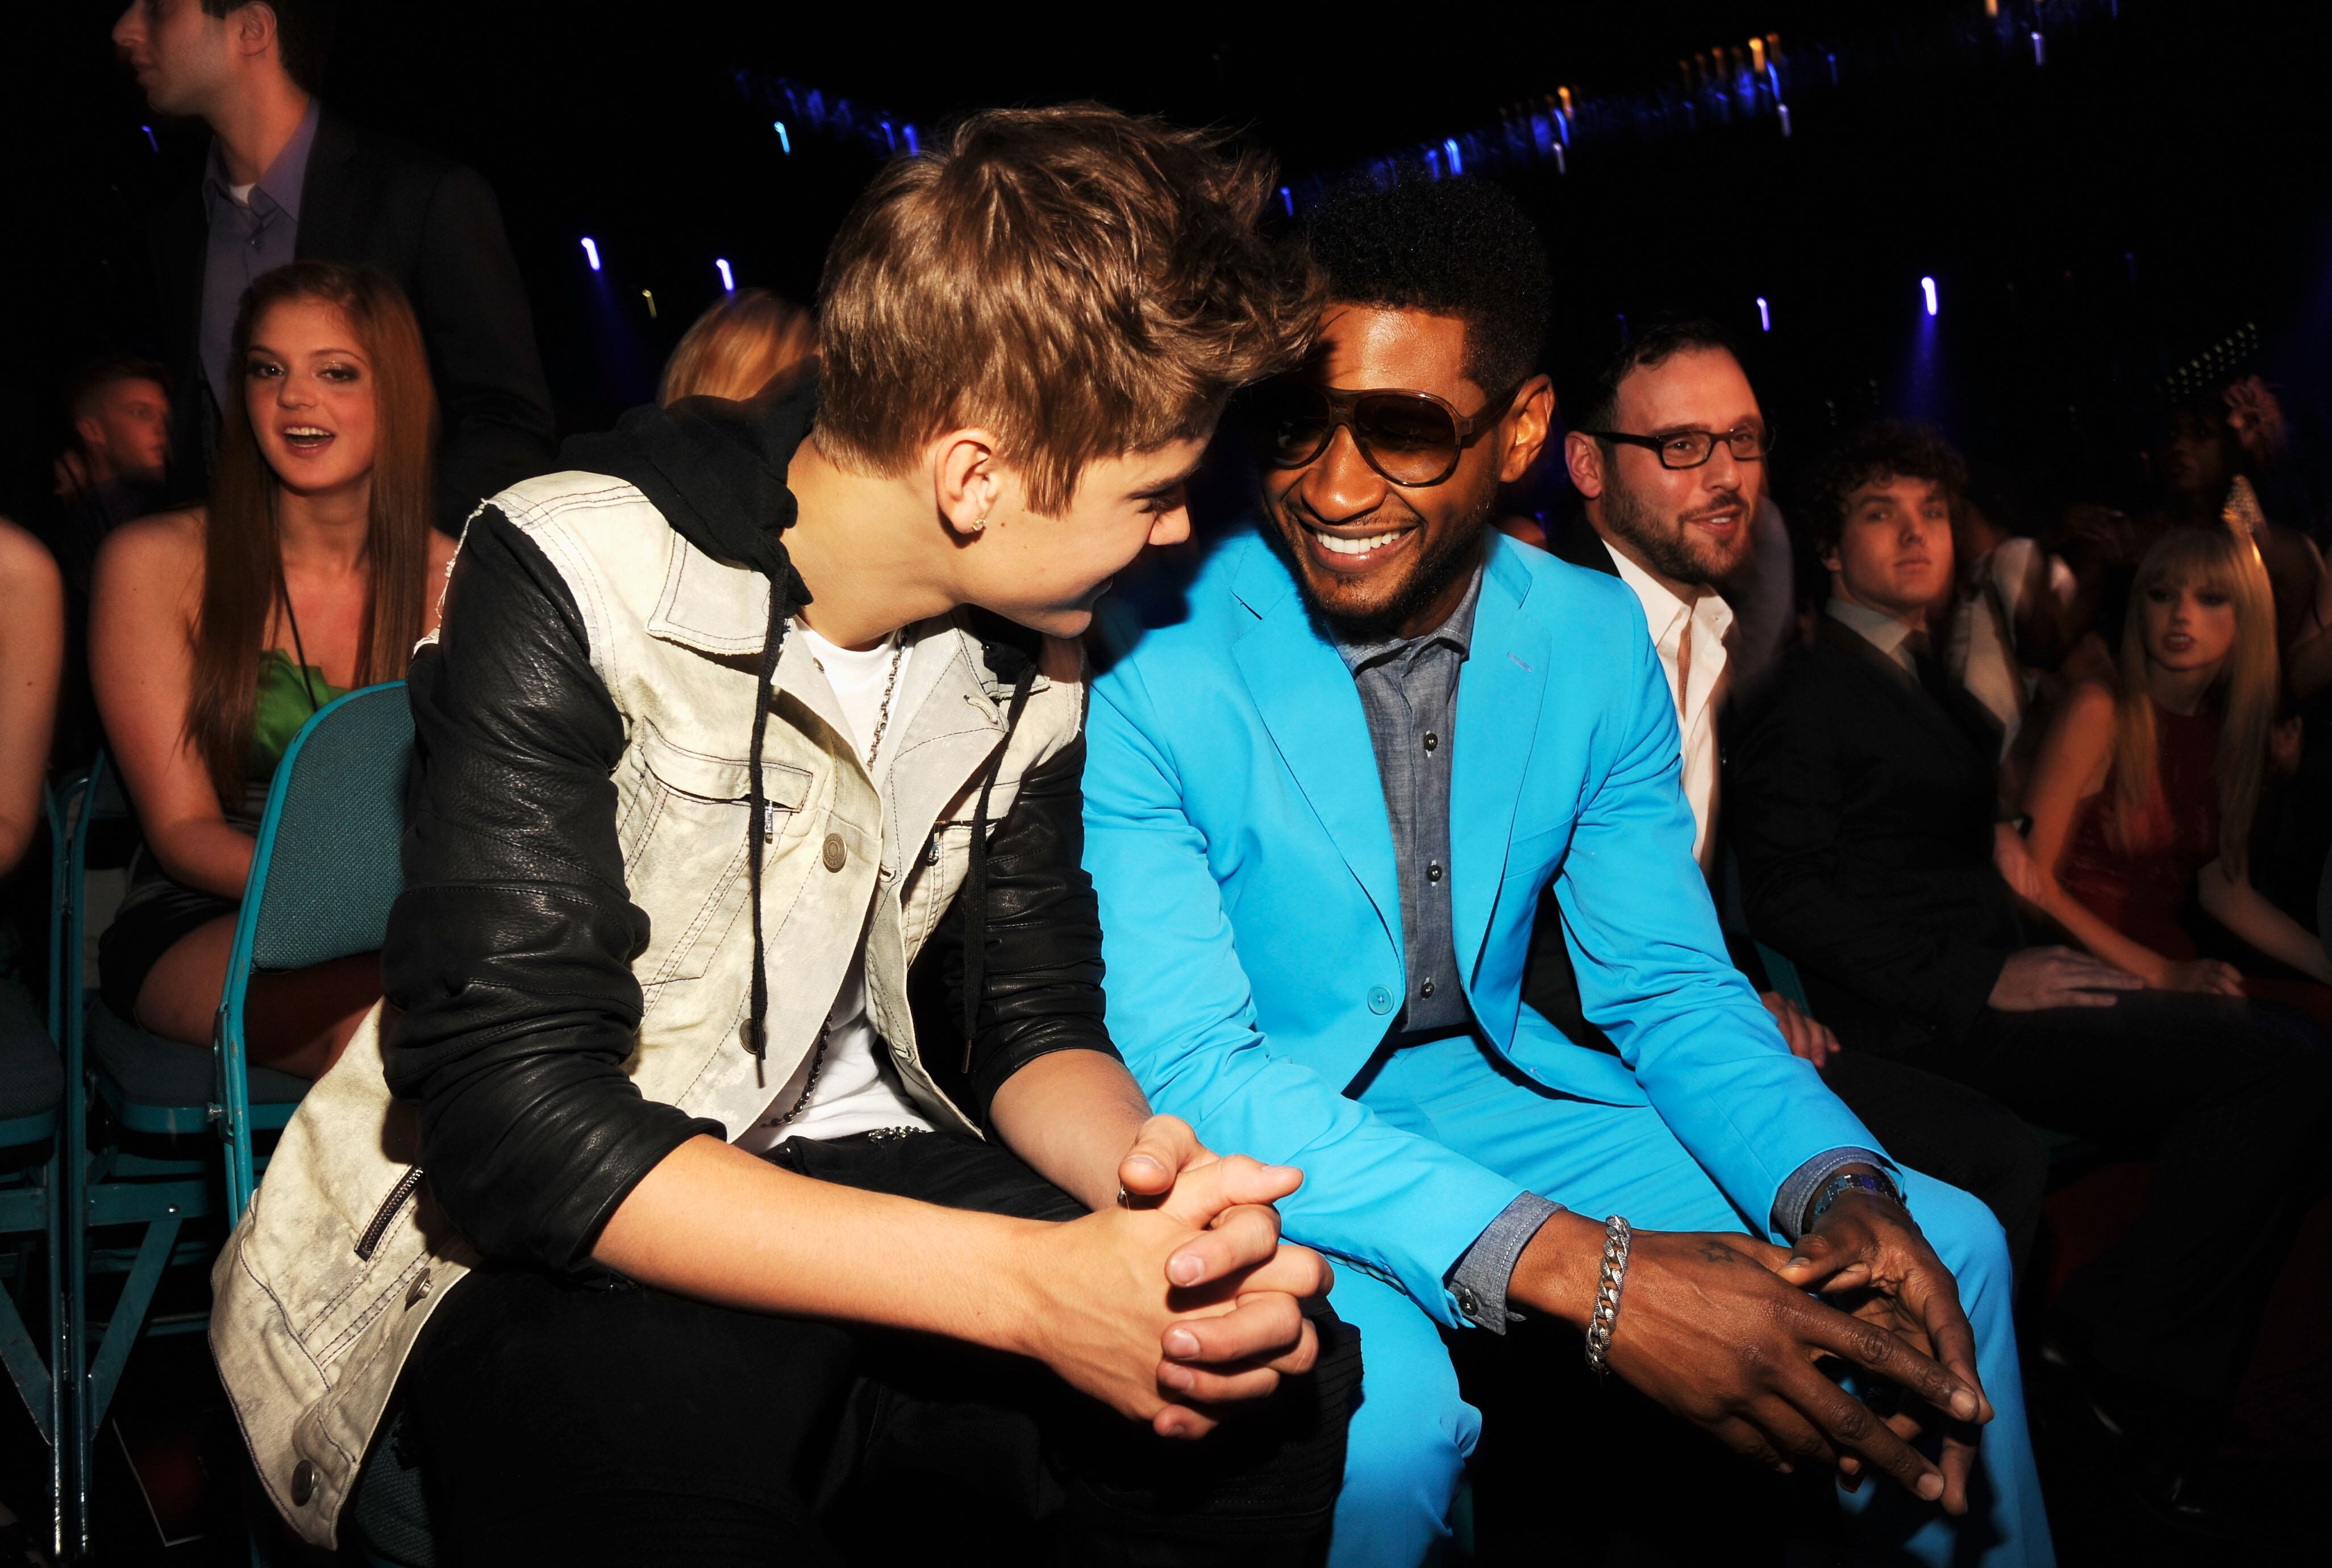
(2154, 188)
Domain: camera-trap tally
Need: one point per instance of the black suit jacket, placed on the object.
(1862, 811)
(434, 226)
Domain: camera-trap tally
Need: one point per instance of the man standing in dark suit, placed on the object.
(289, 180)
(1655, 451)
(1861, 798)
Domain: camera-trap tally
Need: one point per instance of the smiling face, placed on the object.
(2190, 624)
(1046, 572)
(310, 391)
(1372, 556)
(1689, 526)
(1894, 550)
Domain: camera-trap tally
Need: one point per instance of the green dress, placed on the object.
(157, 912)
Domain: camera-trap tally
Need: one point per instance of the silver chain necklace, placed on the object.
(825, 1030)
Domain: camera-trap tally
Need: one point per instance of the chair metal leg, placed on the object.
(60, 1336)
(22, 1357)
(130, 1313)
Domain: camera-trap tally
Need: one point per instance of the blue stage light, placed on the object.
(1457, 164)
(913, 150)
(591, 254)
(1288, 200)
(785, 142)
(150, 138)
(728, 278)
(1765, 316)
(1927, 287)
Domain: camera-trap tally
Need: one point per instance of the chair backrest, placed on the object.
(327, 867)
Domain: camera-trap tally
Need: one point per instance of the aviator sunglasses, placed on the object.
(1412, 438)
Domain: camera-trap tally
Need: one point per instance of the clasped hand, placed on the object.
(1720, 1329)
(1184, 1297)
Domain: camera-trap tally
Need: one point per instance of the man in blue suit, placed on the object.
(1324, 796)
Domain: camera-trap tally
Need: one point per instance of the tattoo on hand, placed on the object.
(1717, 1252)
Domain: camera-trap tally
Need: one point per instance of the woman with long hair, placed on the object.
(2145, 791)
(216, 632)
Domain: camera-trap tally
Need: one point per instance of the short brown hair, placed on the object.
(1079, 280)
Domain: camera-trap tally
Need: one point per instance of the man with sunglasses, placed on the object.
(1322, 801)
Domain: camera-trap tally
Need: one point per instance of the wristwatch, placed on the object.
(1879, 1185)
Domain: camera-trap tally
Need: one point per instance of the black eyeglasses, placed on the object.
(1691, 448)
(1412, 438)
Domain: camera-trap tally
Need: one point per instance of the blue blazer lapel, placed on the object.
(1498, 702)
(1310, 705)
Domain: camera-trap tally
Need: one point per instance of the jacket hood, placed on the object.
(715, 469)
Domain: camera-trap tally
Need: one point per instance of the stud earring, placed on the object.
(978, 523)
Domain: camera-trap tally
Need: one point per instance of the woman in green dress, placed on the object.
(216, 632)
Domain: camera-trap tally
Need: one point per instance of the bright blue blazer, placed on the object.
(1237, 837)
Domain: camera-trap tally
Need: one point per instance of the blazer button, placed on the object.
(1380, 1000)
(303, 1482)
(417, 1291)
(836, 853)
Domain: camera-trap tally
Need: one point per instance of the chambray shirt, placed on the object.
(1409, 692)
(247, 240)
(1408, 689)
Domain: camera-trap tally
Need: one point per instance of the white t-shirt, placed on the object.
(859, 1089)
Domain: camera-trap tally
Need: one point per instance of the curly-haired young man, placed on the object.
(675, 1231)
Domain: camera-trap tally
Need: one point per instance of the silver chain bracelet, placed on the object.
(1616, 1238)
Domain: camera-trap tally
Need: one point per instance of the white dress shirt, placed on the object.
(1706, 621)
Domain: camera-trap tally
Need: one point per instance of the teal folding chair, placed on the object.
(326, 869)
(31, 1094)
(324, 873)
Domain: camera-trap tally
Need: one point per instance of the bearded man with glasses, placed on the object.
(1322, 801)
(1668, 452)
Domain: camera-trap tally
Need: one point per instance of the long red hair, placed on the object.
(243, 565)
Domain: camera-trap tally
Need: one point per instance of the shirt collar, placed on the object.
(1662, 609)
(1455, 632)
(1881, 630)
(279, 187)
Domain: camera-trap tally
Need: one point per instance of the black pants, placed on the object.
(2231, 1100)
(1951, 1132)
(608, 1422)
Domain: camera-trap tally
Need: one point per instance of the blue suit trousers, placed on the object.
(1412, 1431)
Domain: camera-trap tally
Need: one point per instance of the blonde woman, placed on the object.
(746, 344)
(2145, 792)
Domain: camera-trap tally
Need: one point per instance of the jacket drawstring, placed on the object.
(975, 880)
(773, 643)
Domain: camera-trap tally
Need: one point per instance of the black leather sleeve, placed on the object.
(509, 954)
(1043, 936)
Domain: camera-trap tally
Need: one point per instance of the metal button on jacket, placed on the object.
(1426, 990)
(303, 1482)
(834, 853)
(1380, 1000)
